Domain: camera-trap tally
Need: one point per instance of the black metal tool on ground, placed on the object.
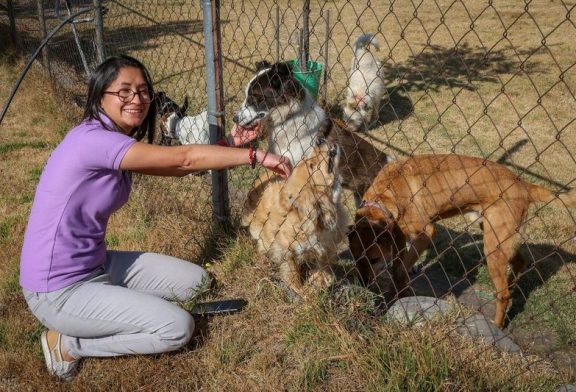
(227, 306)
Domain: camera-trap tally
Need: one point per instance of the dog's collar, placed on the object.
(370, 203)
(374, 204)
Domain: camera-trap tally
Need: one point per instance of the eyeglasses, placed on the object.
(126, 95)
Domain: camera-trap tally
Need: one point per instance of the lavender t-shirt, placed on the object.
(80, 187)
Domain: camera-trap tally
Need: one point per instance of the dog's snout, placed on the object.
(248, 117)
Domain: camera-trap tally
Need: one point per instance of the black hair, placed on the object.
(104, 75)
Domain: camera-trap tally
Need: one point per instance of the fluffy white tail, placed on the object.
(365, 40)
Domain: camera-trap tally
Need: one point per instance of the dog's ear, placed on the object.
(283, 79)
(159, 97)
(399, 238)
(283, 69)
(184, 106)
(260, 65)
(325, 127)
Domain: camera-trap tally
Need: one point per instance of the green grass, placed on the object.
(236, 254)
(6, 148)
(112, 241)
(5, 230)
(10, 286)
(34, 174)
(557, 317)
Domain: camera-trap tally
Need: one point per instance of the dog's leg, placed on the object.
(500, 225)
(323, 276)
(518, 264)
(497, 262)
(290, 274)
(418, 244)
(254, 196)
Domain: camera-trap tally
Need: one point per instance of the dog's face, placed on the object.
(167, 106)
(169, 111)
(273, 85)
(375, 241)
(357, 110)
(320, 168)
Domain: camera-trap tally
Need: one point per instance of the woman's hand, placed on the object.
(278, 164)
(240, 136)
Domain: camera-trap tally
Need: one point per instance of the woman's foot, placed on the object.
(58, 361)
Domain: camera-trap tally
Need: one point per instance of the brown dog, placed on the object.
(409, 195)
(298, 223)
(361, 161)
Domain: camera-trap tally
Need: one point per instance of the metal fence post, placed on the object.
(215, 92)
(78, 42)
(305, 36)
(12, 19)
(99, 29)
(42, 23)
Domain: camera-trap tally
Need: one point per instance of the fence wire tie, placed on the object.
(216, 114)
(79, 21)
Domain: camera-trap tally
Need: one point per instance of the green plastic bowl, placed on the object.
(310, 79)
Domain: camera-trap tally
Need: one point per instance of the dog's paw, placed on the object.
(292, 295)
(321, 279)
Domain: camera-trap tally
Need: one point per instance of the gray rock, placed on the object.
(417, 310)
(478, 326)
(567, 388)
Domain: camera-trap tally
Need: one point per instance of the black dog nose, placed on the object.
(235, 118)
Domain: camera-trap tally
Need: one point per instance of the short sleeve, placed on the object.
(99, 148)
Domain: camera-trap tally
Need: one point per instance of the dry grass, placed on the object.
(443, 99)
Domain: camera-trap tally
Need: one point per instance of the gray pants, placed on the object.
(124, 307)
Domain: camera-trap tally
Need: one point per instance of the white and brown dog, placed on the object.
(291, 119)
(366, 89)
(298, 223)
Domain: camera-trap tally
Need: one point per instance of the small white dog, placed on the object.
(189, 129)
(366, 90)
(175, 124)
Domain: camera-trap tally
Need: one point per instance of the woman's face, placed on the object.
(130, 114)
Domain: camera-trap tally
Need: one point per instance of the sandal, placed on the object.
(55, 363)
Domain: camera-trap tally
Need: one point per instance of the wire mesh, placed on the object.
(486, 79)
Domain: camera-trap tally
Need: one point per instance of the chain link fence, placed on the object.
(487, 79)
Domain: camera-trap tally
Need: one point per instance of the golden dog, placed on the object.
(395, 223)
(300, 222)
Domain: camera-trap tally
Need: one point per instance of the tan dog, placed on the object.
(408, 196)
(299, 222)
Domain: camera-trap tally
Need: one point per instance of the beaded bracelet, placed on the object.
(252, 157)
